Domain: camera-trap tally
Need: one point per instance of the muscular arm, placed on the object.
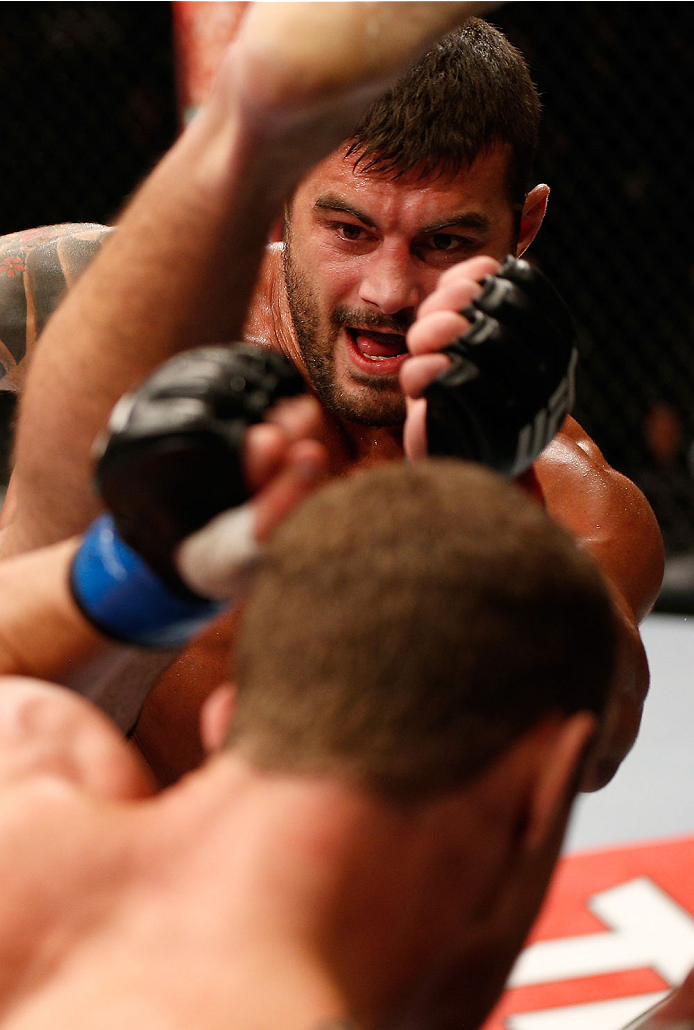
(44, 635)
(42, 632)
(607, 514)
(179, 271)
(37, 267)
(612, 520)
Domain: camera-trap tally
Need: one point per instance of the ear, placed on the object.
(533, 212)
(557, 779)
(215, 717)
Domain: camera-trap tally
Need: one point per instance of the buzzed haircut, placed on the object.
(408, 623)
(470, 91)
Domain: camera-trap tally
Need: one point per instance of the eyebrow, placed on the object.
(333, 202)
(470, 220)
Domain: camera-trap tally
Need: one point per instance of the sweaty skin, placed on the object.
(121, 904)
(37, 267)
(364, 254)
(605, 510)
(118, 907)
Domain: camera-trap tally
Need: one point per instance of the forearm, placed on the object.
(161, 284)
(42, 633)
(179, 271)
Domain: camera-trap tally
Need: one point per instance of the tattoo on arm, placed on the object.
(37, 267)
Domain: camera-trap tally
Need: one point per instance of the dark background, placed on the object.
(617, 148)
(88, 105)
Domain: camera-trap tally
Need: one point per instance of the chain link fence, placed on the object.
(617, 149)
(89, 105)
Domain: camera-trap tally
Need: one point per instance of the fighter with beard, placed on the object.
(387, 241)
(381, 338)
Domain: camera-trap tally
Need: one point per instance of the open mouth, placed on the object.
(375, 352)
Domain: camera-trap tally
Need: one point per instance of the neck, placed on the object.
(343, 891)
(362, 445)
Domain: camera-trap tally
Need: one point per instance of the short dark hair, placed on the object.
(409, 622)
(470, 91)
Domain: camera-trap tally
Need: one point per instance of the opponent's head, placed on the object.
(437, 171)
(409, 623)
(419, 633)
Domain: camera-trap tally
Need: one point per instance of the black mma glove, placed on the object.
(511, 380)
(169, 462)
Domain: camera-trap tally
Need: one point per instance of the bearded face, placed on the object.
(352, 357)
(363, 250)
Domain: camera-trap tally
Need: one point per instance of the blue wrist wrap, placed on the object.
(118, 592)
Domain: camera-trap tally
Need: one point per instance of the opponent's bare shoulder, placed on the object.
(37, 267)
(606, 511)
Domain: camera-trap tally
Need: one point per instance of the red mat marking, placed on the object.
(635, 887)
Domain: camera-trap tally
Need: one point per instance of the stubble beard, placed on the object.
(373, 404)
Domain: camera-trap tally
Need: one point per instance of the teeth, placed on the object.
(365, 348)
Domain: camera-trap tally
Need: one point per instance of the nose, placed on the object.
(390, 281)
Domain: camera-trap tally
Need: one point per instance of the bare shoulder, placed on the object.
(37, 267)
(613, 522)
(606, 511)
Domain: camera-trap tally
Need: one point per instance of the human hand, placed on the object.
(491, 376)
(198, 466)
